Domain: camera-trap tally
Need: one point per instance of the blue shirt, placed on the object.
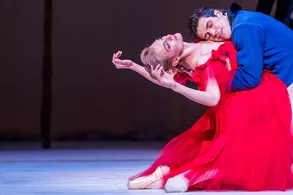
(262, 43)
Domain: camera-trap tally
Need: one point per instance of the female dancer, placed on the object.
(242, 142)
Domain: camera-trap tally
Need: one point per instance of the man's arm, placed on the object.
(249, 42)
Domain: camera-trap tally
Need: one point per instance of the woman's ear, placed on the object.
(176, 61)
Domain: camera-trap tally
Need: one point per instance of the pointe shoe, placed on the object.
(176, 184)
(152, 181)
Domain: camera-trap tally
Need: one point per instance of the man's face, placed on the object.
(214, 28)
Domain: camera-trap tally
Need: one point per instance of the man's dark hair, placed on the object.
(197, 14)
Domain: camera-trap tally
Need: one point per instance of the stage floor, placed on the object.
(76, 168)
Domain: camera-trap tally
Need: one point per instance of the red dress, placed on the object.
(243, 143)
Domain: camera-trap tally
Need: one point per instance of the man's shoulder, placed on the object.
(248, 18)
(246, 24)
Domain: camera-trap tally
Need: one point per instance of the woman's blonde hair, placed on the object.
(149, 57)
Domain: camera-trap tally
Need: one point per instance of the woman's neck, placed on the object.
(193, 53)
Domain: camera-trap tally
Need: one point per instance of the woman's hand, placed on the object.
(182, 69)
(162, 77)
(121, 64)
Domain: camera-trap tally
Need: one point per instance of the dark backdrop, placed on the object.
(91, 99)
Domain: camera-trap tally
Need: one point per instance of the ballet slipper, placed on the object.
(152, 181)
(176, 184)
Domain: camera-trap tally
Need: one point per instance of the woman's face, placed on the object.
(169, 46)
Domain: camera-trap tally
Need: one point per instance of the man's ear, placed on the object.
(218, 13)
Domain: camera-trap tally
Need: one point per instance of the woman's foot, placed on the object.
(152, 181)
(176, 184)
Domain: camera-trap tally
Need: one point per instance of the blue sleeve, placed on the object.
(249, 42)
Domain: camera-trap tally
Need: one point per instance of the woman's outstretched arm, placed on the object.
(209, 97)
(128, 64)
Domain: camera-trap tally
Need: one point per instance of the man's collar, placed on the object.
(232, 12)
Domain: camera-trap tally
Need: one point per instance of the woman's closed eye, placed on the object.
(168, 47)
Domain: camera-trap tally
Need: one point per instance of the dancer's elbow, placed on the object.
(213, 99)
